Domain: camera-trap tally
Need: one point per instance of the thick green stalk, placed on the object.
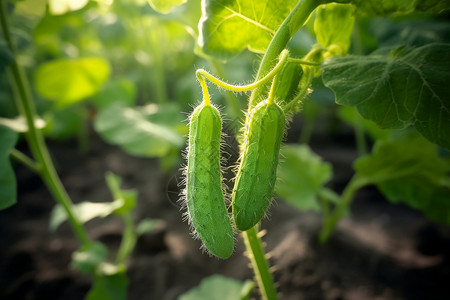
(259, 263)
(34, 136)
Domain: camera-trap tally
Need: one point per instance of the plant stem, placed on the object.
(296, 18)
(128, 239)
(25, 160)
(347, 196)
(34, 136)
(259, 263)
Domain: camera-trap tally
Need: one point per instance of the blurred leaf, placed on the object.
(151, 131)
(120, 91)
(89, 257)
(335, 38)
(408, 169)
(387, 7)
(407, 87)
(146, 226)
(64, 123)
(126, 197)
(349, 115)
(85, 211)
(110, 286)
(301, 175)
(165, 6)
(218, 287)
(8, 185)
(19, 124)
(6, 57)
(60, 7)
(228, 27)
(71, 80)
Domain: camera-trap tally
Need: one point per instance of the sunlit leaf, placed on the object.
(59, 7)
(218, 287)
(19, 124)
(146, 131)
(405, 87)
(301, 176)
(89, 257)
(71, 80)
(329, 35)
(8, 185)
(165, 6)
(407, 169)
(228, 27)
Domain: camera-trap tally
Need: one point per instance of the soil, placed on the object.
(382, 251)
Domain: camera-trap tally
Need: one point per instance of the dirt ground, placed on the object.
(382, 252)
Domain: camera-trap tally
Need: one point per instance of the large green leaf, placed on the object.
(144, 131)
(301, 176)
(218, 287)
(165, 6)
(405, 87)
(71, 80)
(8, 185)
(387, 7)
(408, 169)
(228, 27)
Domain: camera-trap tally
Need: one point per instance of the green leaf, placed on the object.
(408, 169)
(349, 115)
(6, 57)
(228, 27)
(85, 211)
(64, 123)
(19, 124)
(8, 185)
(151, 131)
(126, 197)
(111, 285)
(407, 87)
(335, 38)
(383, 8)
(71, 80)
(89, 257)
(116, 91)
(165, 6)
(218, 287)
(60, 7)
(146, 226)
(301, 176)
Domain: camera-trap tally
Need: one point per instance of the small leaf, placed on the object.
(89, 257)
(85, 211)
(228, 27)
(8, 185)
(408, 169)
(165, 6)
(335, 38)
(301, 176)
(146, 226)
(127, 198)
(109, 286)
(71, 80)
(151, 131)
(218, 287)
(407, 87)
(19, 124)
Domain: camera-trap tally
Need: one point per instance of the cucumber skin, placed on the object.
(256, 176)
(207, 211)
